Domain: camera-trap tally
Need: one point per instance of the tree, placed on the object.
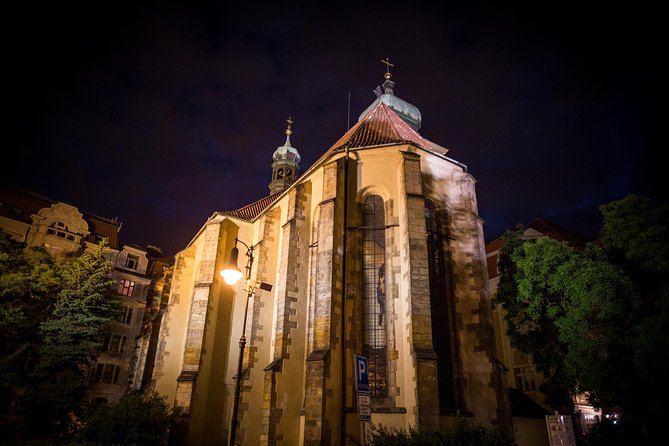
(28, 289)
(594, 319)
(57, 308)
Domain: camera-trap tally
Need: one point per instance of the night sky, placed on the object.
(161, 113)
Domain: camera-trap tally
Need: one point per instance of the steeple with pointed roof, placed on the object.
(286, 164)
(408, 112)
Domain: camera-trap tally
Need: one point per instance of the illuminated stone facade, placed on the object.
(376, 250)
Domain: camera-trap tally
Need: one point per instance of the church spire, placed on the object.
(285, 165)
(388, 85)
(288, 131)
(409, 113)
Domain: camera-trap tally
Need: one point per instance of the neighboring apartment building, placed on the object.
(62, 229)
(522, 379)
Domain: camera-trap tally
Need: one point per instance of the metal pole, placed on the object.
(344, 388)
(242, 344)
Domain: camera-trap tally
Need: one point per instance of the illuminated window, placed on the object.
(374, 296)
(126, 288)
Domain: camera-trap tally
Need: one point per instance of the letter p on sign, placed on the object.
(361, 374)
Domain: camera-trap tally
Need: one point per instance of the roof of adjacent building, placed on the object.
(524, 406)
(557, 232)
(19, 204)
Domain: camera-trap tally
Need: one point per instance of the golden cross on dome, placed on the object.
(290, 122)
(388, 65)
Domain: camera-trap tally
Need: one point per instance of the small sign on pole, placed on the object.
(364, 407)
(361, 374)
(364, 400)
(560, 430)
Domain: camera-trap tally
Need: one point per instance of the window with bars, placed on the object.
(374, 296)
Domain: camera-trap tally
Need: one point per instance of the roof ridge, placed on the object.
(382, 125)
(251, 211)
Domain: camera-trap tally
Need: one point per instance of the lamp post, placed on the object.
(231, 274)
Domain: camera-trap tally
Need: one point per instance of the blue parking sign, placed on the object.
(361, 374)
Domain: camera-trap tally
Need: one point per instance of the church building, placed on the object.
(376, 251)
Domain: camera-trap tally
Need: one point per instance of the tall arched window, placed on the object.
(374, 316)
(442, 309)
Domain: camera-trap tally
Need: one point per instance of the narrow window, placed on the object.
(374, 306)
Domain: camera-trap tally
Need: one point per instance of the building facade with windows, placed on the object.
(117, 367)
(63, 230)
(528, 407)
(376, 250)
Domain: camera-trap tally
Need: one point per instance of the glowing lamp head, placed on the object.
(231, 273)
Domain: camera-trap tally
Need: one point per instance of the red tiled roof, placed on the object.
(380, 126)
(251, 211)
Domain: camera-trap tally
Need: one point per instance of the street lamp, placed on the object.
(231, 274)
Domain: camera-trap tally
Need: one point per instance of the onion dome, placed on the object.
(285, 165)
(386, 94)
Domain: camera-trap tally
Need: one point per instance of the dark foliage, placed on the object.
(594, 319)
(136, 419)
(464, 432)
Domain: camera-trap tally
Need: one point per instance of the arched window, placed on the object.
(374, 316)
(442, 309)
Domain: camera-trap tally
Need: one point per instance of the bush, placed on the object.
(136, 419)
(464, 433)
(619, 432)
